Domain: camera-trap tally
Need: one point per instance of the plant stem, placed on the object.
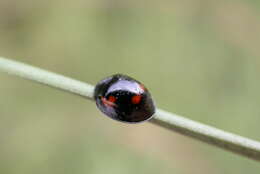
(196, 130)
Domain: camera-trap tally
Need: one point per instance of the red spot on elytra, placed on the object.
(136, 99)
(110, 102)
(112, 99)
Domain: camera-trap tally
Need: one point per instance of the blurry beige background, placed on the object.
(199, 58)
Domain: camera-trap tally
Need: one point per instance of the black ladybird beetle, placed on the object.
(124, 99)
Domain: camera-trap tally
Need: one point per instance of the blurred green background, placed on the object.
(200, 59)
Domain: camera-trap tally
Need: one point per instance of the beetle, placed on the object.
(124, 99)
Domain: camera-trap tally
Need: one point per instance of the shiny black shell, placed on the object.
(124, 99)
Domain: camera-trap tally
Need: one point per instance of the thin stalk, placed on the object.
(225, 140)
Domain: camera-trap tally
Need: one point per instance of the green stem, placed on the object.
(196, 130)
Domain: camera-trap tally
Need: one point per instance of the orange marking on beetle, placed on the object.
(136, 99)
(112, 99)
(108, 102)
